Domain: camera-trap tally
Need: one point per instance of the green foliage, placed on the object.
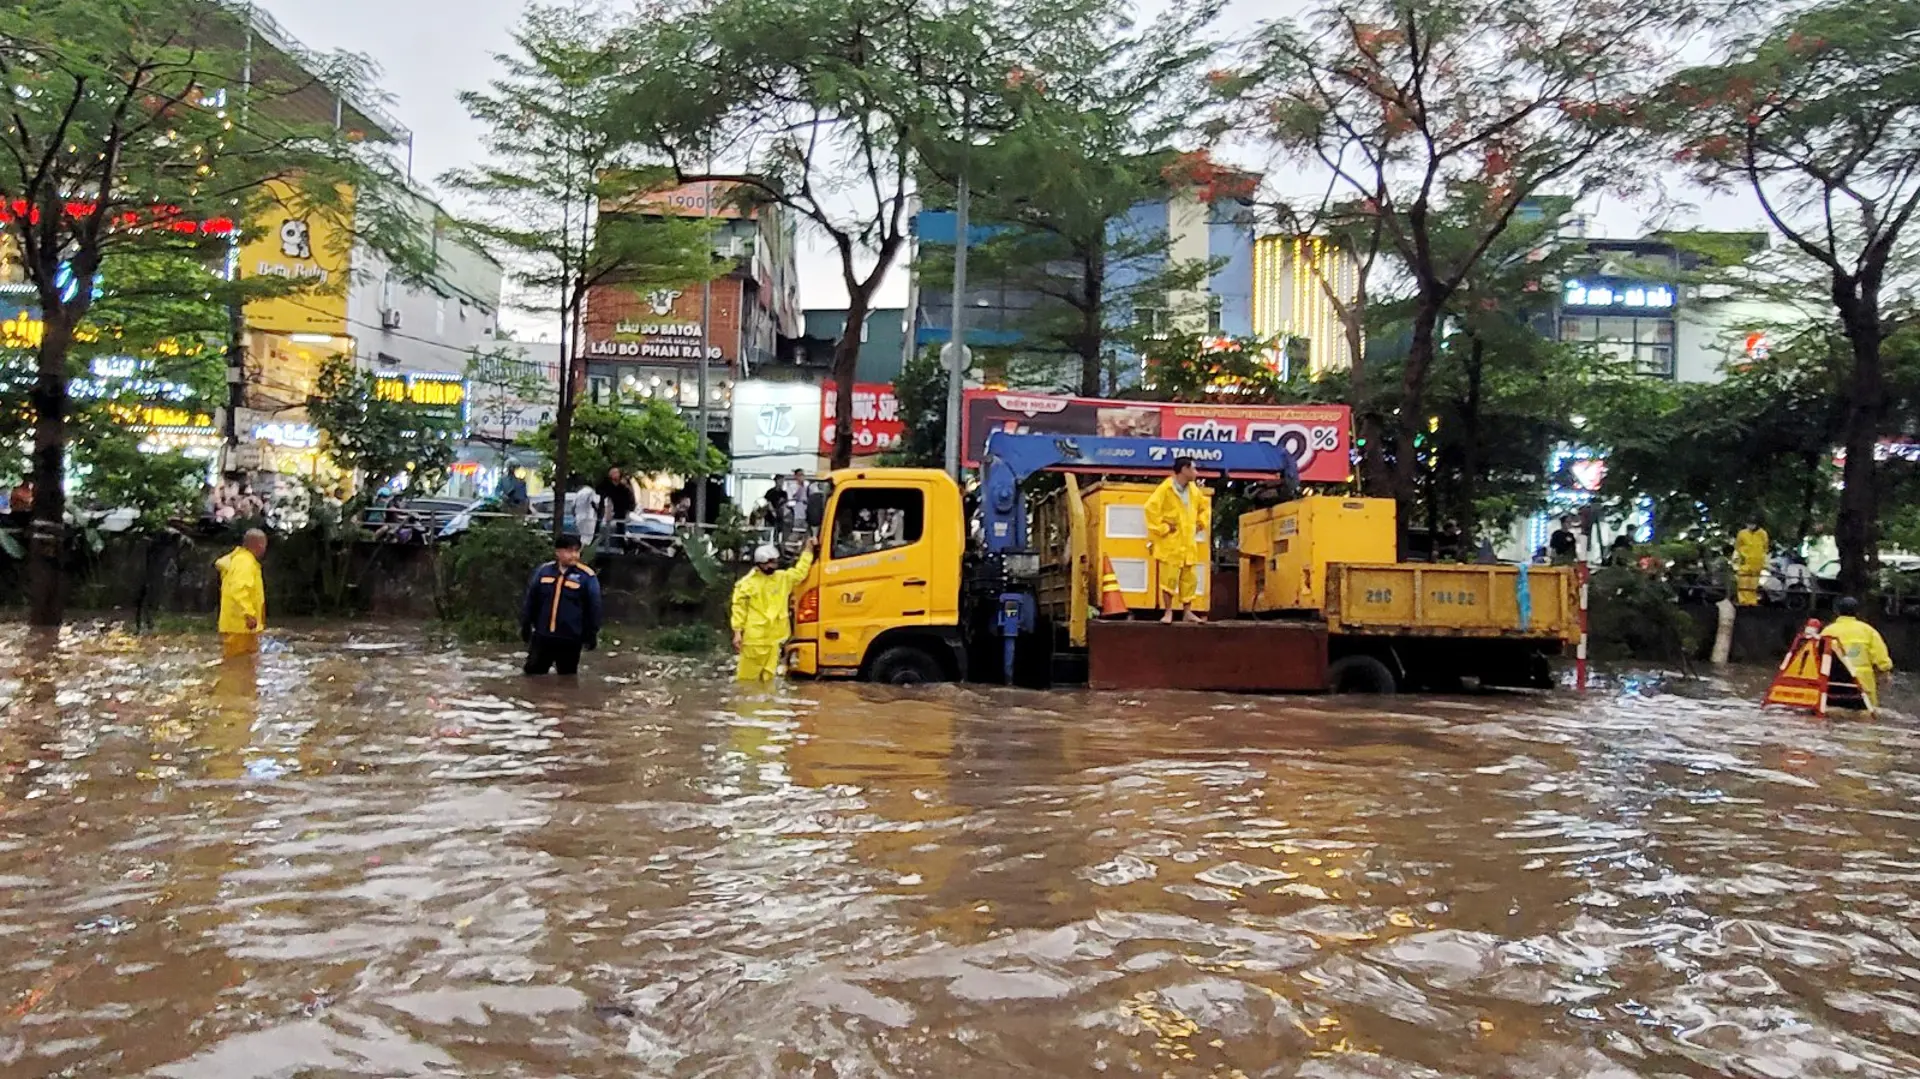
(687, 640)
(921, 390)
(478, 578)
(1636, 615)
(641, 441)
(1713, 456)
(1815, 113)
(1529, 98)
(124, 142)
(378, 438)
(821, 108)
(1068, 156)
(161, 487)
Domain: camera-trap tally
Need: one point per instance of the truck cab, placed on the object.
(883, 599)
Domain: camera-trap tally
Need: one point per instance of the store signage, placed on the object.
(877, 427)
(655, 341)
(302, 248)
(293, 436)
(439, 397)
(1615, 294)
(162, 417)
(1319, 437)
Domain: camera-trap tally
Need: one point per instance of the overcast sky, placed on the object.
(430, 50)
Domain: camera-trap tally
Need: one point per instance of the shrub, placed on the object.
(479, 578)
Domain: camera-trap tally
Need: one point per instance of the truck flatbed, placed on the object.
(1229, 657)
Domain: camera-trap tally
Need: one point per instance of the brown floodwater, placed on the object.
(366, 856)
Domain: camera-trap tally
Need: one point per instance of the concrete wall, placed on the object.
(372, 581)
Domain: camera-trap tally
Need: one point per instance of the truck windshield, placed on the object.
(872, 519)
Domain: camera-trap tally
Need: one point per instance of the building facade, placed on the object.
(1300, 286)
(1190, 225)
(641, 345)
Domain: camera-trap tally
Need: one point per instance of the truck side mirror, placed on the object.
(816, 508)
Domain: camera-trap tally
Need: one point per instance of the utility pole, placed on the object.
(706, 342)
(957, 363)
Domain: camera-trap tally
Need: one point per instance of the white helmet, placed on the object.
(765, 553)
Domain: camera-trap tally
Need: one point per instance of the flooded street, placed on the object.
(367, 857)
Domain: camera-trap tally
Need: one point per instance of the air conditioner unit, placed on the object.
(390, 318)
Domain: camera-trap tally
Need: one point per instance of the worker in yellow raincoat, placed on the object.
(243, 595)
(1749, 562)
(762, 611)
(1175, 540)
(1862, 647)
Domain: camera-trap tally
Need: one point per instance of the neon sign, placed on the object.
(1609, 294)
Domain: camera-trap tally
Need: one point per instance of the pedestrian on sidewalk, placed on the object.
(243, 595)
(561, 612)
(586, 509)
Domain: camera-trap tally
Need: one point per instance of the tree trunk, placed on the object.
(46, 587)
(846, 367)
(1858, 527)
(563, 417)
(1464, 514)
(1092, 325)
(1413, 401)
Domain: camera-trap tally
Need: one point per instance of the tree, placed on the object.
(649, 440)
(1077, 153)
(376, 436)
(921, 390)
(561, 159)
(158, 487)
(1816, 114)
(1459, 109)
(1712, 456)
(821, 107)
(123, 154)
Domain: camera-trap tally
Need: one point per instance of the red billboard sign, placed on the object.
(1320, 437)
(877, 426)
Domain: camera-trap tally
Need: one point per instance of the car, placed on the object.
(647, 531)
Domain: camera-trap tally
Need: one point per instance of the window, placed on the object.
(866, 520)
(1643, 344)
(1215, 319)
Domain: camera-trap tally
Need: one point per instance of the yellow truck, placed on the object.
(908, 590)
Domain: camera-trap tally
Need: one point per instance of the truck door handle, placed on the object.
(833, 635)
(915, 581)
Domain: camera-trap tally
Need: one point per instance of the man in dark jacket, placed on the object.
(561, 612)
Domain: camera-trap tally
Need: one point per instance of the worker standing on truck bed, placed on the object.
(1173, 533)
(760, 614)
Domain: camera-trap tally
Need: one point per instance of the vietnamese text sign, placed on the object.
(1318, 436)
(303, 247)
(877, 427)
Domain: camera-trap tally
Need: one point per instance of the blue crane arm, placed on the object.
(1028, 454)
(1012, 458)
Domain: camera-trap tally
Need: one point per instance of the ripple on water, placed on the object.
(363, 857)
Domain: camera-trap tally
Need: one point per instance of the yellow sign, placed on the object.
(161, 416)
(420, 391)
(24, 330)
(305, 246)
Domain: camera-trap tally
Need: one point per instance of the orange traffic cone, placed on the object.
(1112, 603)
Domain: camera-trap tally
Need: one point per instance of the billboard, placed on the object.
(302, 247)
(1320, 437)
(877, 426)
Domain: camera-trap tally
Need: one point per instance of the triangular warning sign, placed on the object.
(1805, 675)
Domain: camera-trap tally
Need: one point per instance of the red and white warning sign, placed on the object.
(1806, 675)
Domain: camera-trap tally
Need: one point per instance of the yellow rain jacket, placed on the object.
(1865, 652)
(1173, 535)
(243, 593)
(1749, 563)
(762, 617)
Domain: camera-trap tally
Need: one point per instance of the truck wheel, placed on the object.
(906, 666)
(1361, 674)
